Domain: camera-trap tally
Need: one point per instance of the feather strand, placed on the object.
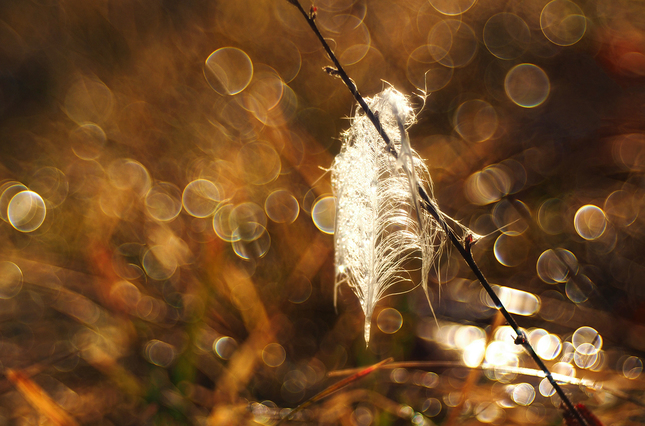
(379, 224)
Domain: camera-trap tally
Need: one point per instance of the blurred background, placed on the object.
(166, 209)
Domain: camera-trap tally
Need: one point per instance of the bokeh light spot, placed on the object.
(487, 186)
(260, 162)
(285, 111)
(263, 94)
(222, 223)
(590, 222)
(163, 201)
(516, 301)
(535, 335)
(362, 416)
(286, 60)
(26, 211)
(488, 412)
(475, 120)
(255, 248)
(510, 251)
(399, 375)
(200, 198)
(126, 295)
(128, 174)
(556, 266)
(579, 288)
(160, 353)
(88, 100)
(563, 22)
(549, 216)
(281, 206)
(294, 385)
(632, 367)
(586, 340)
(465, 335)
(509, 217)
(225, 347)
(51, 184)
(621, 208)
(159, 262)
(247, 222)
(323, 214)
(567, 352)
(452, 7)
(601, 362)
(545, 388)
(9, 190)
(88, 141)
(585, 356)
(549, 347)
(389, 321)
(501, 354)
(425, 73)
(300, 289)
(355, 42)
(228, 70)
(523, 394)
(629, 151)
(474, 353)
(506, 35)
(10, 280)
(274, 354)
(452, 43)
(431, 407)
(527, 85)
(564, 369)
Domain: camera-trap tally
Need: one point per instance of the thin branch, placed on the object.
(340, 72)
(428, 205)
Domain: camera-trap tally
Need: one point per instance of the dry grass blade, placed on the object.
(335, 387)
(39, 399)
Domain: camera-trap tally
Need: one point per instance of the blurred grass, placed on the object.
(126, 305)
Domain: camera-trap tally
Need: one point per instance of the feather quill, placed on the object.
(379, 224)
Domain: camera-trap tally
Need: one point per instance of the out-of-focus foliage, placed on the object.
(166, 256)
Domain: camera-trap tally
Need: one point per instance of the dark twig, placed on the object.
(428, 205)
(340, 72)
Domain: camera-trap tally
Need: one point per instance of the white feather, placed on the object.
(379, 224)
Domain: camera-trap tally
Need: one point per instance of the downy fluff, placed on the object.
(379, 225)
